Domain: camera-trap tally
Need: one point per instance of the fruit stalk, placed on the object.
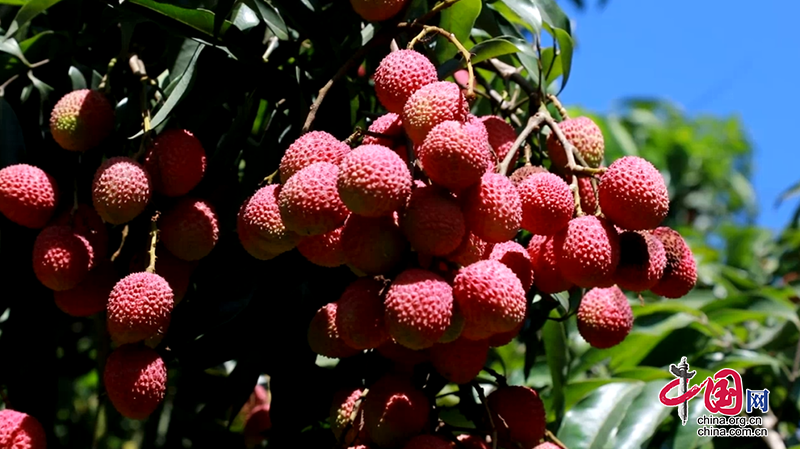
(533, 124)
(550, 436)
(427, 29)
(151, 268)
(559, 107)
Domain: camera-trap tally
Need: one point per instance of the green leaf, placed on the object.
(642, 419)
(271, 16)
(645, 373)
(686, 436)
(222, 11)
(200, 20)
(458, 20)
(29, 10)
(525, 13)
(488, 49)
(555, 347)
(12, 47)
(244, 17)
(590, 424)
(578, 390)
(565, 46)
(77, 78)
(13, 2)
(552, 14)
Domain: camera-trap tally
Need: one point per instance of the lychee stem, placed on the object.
(559, 107)
(555, 440)
(501, 379)
(105, 85)
(427, 29)
(121, 244)
(269, 179)
(482, 397)
(153, 241)
(570, 150)
(534, 122)
(576, 195)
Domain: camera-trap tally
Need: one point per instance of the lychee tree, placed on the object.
(364, 224)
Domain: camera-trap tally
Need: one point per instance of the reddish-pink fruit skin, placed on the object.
(588, 251)
(547, 203)
(430, 105)
(419, 306)
(501, 135)
(81, 120)
(309, 201)
(588, 196)
(135, 378)
(191, 229)
(399, 75)
(28, 195)
(360, 315)
(471, 250)
(428, 442)
(121, 190)
(176, 162)
(175, 271)
(642, 261)
(139, 307)
(344, 415)
(61, 258)
(472, 442)
(680, 272)
(453, 157)
(492, 208)
(87, 224)
(520, 415)
(461, 360)
(547, 445)
(432, 221)
(261, 230)
(515, 256)
(605, 317)
(403, 357)
(633, 194)
(523, 172)
(21, 431)
(378, 10)
(391, 125)
(585, 135)
(548, 278)
(504, 338)
(323, 335)
(395, 411)
(324, 250)
(491, 298)
(373, 181)
(91, 295)
(312, 147)
(373, 245)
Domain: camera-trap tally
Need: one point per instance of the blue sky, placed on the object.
(710, 56)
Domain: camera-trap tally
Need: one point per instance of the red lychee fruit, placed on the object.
(585, 135)
(390, 125)
(504, 338)
(315, 146)
(475, 127)
(344, 413)
(135, 378)
(641, 261)
(86, 223)
(404, 358)
(518, 414)
(378, 10)
(373, 181)
(588, 196)
(21, 431)
(28, 195)
(139, 307)
(324, 250)
(395, 411)
(176, 162)
(430, 105)
(91, 295)
(260, 226)
(419, 306)
(471, 250)
(547, 203)
(547, 445)
(461, 360)
(523, 172)
(81, 120)
(548, 277)
(501, 135)
(432, 221)
(491, 298)
(61, 258)
(400, 74)
(680, 272)
(461, 77)
(452, 157)
(359, 315)
(633, 194)
(373, 245)
(121, 190)
(455, 328)
(428, 442)
(309, 201)
(492, 208)
(323, 335)
(471, 442)
(588, 252)
(605, 317)
(190, 230)
(516, 257)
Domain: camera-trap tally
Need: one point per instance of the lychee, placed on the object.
(452, 157)
(492, 208)
(81, 120)
(547, 445)
(404, 358)
(466, 441)
(309, 201)
(344, 415)
(176, 162)
(395, 411)
(323, 335)
(588, 195)
(428, 442)
(400, 74)
(432, 221)
(547, 203)
(378, 10)
(471, 250)
(135, 378)
(523, 172)
(461, 360)
(585, 135)
(91, 295)
(373, 245)
(491, 298)
(391, 126)
(260, 226)
(516, 257)
(324, 250)
(501, 135)
(518, 414)
(190, 230)
(86, 223)
(680, 272)
(547, 276)
(641, 262)
(504, 338)
(430, 105)
(21, 431)
(61, 258)
(315, 146)
(419, 306)
(455, 328)
(373, 181)
(28, 195)
(604, 317)
(475, 128)
(359, 315)
(633, 195)
(139, 307)
(121, 190)
(588, 251)
(176, 272)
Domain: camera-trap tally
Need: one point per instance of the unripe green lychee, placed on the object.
(121, 190)
(400, 73)
(585, 135)
(81, 120)
(28, 195)
(605, 317)
(176, 162)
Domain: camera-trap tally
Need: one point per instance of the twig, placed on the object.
(273, 44)
(427, 29)
(270, 179)
(569, 149)
(104, 85)
(576, 195)
(509, 72)
(534, 122)
(151, 268)
(555, 440)
(559, 107)
(121, 244)
(6, 83)
(482, 397)
(499, 378)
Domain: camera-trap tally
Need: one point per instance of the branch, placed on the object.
(426, 29)
(482, 397)
(121, 244)
(559, 107)
(555, 440)
(151, 268)
(569, 149)
(509, 72)
(499, 378)
(534, 122)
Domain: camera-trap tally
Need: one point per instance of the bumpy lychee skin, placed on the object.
(516, 257)
(121, 190)
(404, 359)
(585, 135)
(587, 251)
(261, 229)
(86, 223)
(378, 10)
(428, 442)
(21, 431)
(419, 306)
(452, 157)
(344, 413)
(324, 250)
(548, 278)
(642, 261)
(309, 201)
(373, 245)
(323, 335)
(28, 195)
(190, 230)
(471, 250)
(176, 162)
(491, 298)
(523, 172)
(588, 196)
(81, 120)
(519, 414)
(680, 272)
(373, 181)
(312, 147)
(139, 307)
(471, 442)
(492, 208)
(176, 272)
(433, 104)
(400, 74)
(395, 411)
(475, 128)
(633, 195)
(547, 203)
(432, 221)
(501, 135)
(91, 295)
(455, 328)
(547, 445)
(61, 258)
(460, 361)
(391, 125)
(605, 317)
(135, 378)
(359, 315)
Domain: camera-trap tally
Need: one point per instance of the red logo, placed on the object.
(721, 394)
